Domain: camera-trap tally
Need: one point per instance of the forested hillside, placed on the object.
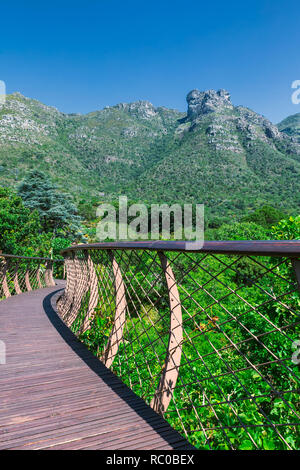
(291, 126)
(225, 156)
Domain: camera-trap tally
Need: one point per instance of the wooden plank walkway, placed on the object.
(54, 394)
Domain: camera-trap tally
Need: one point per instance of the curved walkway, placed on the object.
(54, 394)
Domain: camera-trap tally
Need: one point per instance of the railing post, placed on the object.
(38, 277)
(16, 280)
(27, 281)
(164, 392)
(112, 346)
(81, 287)
(296, 266)
(94, 294)
(48, 274)
(65, 301)
(4, 279)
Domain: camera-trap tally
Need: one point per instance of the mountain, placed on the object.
(291, 126)
(226, 156)
(85, 154)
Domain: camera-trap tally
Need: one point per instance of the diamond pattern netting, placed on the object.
(206, 340)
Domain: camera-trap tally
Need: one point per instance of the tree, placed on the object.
(20, 228)
(56, 210)
(241, 231)
(265, 216)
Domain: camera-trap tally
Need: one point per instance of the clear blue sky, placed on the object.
(82, 56)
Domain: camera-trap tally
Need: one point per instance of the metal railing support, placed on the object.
(94, 294)
(27, 281)
(166, 386)
(16, 280)
(81, 275)
(296, 266)
(5, 287)
(116, 335)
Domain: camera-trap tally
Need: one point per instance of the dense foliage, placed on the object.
(231, 159)
(241, 231)
(36, 225)
(291, 126)
(40, 225)
(236, 407)
(56, 210)
(20, 228)
(243, 401)
(287, 229)
(265, 216)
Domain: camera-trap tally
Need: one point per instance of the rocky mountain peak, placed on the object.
(204, 102)
(17, 94)
(142, 108)
(232, 157)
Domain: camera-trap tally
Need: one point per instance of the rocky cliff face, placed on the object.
(233, 128)
(224, 155)
(228, 157)
(141, 109)
(204, 102)
(26, 121)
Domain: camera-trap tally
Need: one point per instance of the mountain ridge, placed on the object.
(226, 156)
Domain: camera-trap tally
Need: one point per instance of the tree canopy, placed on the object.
(241, 231)
(265, 216)
(20, 228)
(56, 210)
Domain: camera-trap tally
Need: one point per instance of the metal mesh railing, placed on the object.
(23, 273)
(205, 338)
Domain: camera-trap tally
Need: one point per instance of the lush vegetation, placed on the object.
(232, 160)
(291, 126)
(40, 221)
(20, 229)
(57, 212)
(247, 174)
(236, 408)
(221, 398)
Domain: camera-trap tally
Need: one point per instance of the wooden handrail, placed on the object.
(289, 248)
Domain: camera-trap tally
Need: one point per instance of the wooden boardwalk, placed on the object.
(54, 394)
